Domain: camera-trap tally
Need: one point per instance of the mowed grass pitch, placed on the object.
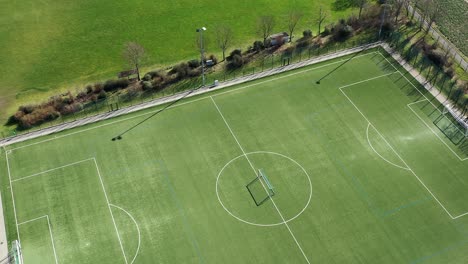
(383, 187)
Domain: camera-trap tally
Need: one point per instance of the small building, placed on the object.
(278, 39)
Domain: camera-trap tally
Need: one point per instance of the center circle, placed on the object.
(290, 181)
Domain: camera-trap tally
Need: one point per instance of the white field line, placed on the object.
(409, 168)
(102, 185)
(414, 86)
(50, 233)
(255, 172)
(425, 99)
(192, 101)
(370, 144)
(12, 195)
(138, 230)
(43, 172)
(110, 210)
(37, 218)
(52, 238)
(434, 132)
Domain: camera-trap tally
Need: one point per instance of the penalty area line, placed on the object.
(404, 162)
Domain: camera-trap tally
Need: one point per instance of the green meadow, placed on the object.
(51, 46)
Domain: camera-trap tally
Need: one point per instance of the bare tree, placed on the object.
(293, 18)
(432, 15)
(361, 4)
(223, 38)
(265, 27)
(406, 4)
(321, 18)
(427, 13)
(134, 53)
(415, 4)
(398, 5)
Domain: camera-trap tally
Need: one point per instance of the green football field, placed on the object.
(357, 172)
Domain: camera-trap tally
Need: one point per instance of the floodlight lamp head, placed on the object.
(201, 29)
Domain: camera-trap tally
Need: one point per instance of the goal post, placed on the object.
(452, 124)
(260, 188)
(15, 255)
(269, 186)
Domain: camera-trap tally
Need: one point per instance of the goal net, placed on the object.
(260, 188)
(14, 255)
(454, 125)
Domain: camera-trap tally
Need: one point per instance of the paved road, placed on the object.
(457, 55)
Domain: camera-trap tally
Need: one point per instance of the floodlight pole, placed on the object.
(200, 30)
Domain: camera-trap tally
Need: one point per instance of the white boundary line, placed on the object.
(425, 98)
(194, 100)
(138, 230)
(255, 172)
(110, 210)
(434, 132)
(102, 185)
(409, 168)
(50, 232)
(12, 195)
(43, 172)
(370, 144)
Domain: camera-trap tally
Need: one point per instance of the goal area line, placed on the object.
(404, 162)
(95, 164)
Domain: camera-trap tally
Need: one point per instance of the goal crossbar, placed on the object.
(461, 120)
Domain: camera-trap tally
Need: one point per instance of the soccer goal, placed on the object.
(260, 188)
(452, 124)
(14, 255)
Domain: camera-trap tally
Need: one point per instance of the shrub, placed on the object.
(213, 58)
(146, 85)
(98, 87)
(235, 62)
(234, 53)
(258, 46)
(27, 109)
(38, 117)
(302, 44)
(325, 32)
(146, 78)
(89, 89)
(102, 95)
(81, 95)
(342, 32)
(437, 57)
(181, 70)
(112, 85)
(14, 119)
(354, 22)
(194, 72)
(153, 74)
(73, 108)
(307, 33)
(193, 63)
